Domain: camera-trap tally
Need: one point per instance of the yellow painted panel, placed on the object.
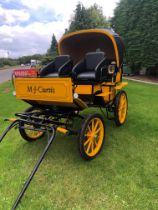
(44, 89)
(113, 93)
(96, 88)
(118, 76)
(121, 85)
(106, 91)
(83, 89)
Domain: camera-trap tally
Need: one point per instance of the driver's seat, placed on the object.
(90, 69)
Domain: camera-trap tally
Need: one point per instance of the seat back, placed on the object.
(59, 61)
(92, 59)
(57, 67)
(90, 68)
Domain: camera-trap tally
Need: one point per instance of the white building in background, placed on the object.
(4, 54)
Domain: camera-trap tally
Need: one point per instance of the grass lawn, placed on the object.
(123, 176)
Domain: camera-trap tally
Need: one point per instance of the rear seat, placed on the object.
(61, 66)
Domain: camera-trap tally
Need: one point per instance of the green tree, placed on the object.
(8, 62)
(78, 20)
(52, 51)
(136, 22)
(89, 18)
(95, 18)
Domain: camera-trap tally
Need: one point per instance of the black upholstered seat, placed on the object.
(60, 67)
(90, 68)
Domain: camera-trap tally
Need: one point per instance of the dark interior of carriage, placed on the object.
(84, 57)
(78, 45)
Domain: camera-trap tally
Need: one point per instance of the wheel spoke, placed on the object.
(89, 146)
(124, 103)
(92, 146)
(96, 125)
(88, 135)
(89, 129)
(122, 107)
(95, 142)
(97, 130)
(93, 136)
(122, 100)
(32, 133)
(87, 141)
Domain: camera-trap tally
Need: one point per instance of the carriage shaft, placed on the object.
(26, 185)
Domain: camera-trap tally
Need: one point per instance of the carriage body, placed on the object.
(68, 91)
(87, 73)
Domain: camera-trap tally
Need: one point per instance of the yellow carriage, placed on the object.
(87, 73)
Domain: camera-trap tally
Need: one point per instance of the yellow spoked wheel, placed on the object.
(91, 137)
(30, 135)
(121, 107)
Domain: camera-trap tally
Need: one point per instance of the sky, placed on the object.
(26, 26)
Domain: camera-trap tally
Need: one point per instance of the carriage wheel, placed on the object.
(30, 135)
(91, 137)
(121, 107)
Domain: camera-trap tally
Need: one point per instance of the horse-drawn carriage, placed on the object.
(87, 72)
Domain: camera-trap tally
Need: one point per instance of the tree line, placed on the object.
(18, 61)
(135, 21)
(45, 58)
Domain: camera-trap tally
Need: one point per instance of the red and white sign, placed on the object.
(26, 72)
